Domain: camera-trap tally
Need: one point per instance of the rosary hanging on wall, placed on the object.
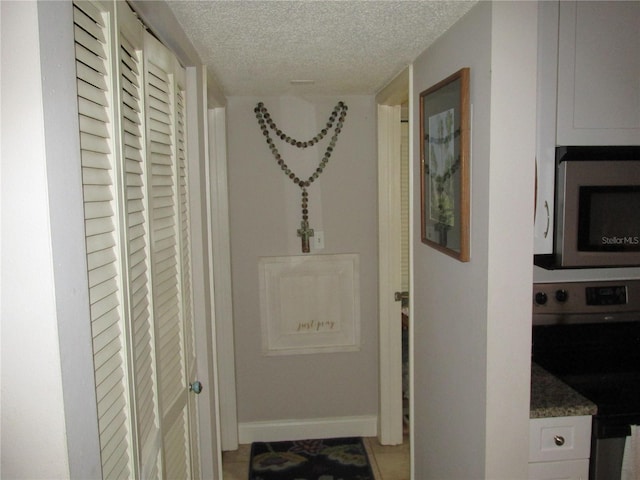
(266, 123)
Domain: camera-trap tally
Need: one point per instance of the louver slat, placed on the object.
(89, 59)
(88, 18)
(91, 93)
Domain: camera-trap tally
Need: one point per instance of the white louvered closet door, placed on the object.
(187, 293)
(136, 203)
(100, 176)
(170, 257)
(137, 236)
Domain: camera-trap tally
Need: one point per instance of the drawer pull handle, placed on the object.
(559, 440)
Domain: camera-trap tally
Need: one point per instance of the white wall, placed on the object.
(512, 180)
(265, 214)
(472, 320)
(32, 405)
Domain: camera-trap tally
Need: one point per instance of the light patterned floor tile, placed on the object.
(235, 470)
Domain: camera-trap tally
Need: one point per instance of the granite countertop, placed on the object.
(550, 397)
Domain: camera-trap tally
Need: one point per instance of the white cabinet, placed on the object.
(546, 125)
(559, 448)
(599, 73)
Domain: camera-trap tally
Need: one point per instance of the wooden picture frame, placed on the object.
(444, 165)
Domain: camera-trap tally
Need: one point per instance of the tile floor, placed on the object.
(388, 463)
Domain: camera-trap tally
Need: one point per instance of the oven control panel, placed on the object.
(616, 299)
(612, 295)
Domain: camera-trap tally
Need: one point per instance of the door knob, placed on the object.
(398, 296)
(195, 387)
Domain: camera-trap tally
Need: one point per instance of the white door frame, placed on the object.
(390, 419)
(221, 270)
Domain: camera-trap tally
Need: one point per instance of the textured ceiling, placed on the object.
(344, 47)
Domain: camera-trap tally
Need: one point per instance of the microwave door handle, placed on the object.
(546, 207)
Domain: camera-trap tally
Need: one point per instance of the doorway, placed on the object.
(394, 297)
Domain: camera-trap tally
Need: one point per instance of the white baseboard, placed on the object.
(280, 430)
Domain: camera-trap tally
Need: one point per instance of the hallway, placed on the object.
(388, 463)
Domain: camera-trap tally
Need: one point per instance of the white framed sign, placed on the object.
(310, 304)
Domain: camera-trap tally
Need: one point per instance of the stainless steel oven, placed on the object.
(588, 335)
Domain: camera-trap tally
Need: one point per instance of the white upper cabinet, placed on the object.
(599, 73)
(588, 88)
(546, 125)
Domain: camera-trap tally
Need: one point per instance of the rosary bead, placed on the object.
(264, 119)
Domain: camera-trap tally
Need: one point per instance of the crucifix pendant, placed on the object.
(304, 232)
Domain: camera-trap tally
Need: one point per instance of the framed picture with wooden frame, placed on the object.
(444, 165)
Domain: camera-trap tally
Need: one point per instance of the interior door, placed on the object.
(390, 280)
(93, 27)
(132, 150)
(391, 258)
(170, 255)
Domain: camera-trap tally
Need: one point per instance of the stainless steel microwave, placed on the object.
(597, 207)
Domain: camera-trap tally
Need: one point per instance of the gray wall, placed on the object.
(472, 320)
(49, 424)
(264, 215)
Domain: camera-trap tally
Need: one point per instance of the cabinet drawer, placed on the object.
(566, 470)
(559, 438)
